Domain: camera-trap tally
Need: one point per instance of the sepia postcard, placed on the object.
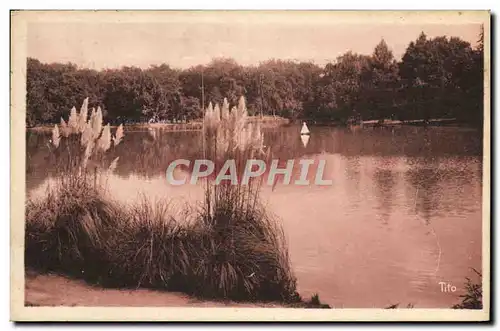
(250, 165)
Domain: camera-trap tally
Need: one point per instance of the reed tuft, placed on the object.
(82, 118)
(104, 142)
(65, 131)
(118, 135)
(73, 121)
(231, 255)
(56, 137)
(82, 155)
(229, 248)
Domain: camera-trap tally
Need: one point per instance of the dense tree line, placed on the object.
(436, 78)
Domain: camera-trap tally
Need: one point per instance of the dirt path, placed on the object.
(56, 290)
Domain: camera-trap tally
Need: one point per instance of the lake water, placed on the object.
(403, 212)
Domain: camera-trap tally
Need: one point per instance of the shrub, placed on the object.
(473, 298)
(68, 230)
(252, 257)
(77, 231)
(230, 248)
(80, 147)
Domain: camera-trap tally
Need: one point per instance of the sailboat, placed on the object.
(304, 130)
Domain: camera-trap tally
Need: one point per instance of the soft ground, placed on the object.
(56, 290)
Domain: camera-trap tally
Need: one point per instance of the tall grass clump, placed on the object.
(247, 253)
(80, 146)
(230, 248)
(67, 230)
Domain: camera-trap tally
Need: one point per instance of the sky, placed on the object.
(185, 43)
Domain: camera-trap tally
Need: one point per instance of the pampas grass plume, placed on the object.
(231, 129)
(56, 137)
(216, 113)
(82, 119)
(88, 152)
(73, 121)
(86, 134)
(97, 124)
(105, 140)
(118, 135)
(64, 128)
(225, 110)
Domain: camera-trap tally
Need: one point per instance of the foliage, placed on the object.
(396, 306)
(228, 254)
(473, 298)
(230, 248)
(443, 78)
(80, 145)
(241, 227)
(436, 78)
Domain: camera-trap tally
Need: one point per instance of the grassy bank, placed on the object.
(80, 232)
(77, 230)
(49, 290)
(227, 248)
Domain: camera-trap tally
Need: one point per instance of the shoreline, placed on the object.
(54, 289)
(273, 122)
(266, 122)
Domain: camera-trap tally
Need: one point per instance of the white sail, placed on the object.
(304, 129)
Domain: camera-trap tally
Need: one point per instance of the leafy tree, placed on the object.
(339, 92)
(379, 84)
(436, 78)
(436, 74)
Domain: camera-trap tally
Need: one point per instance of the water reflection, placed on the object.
(423, 189)
(385, 182)
(305, 140)
(353, 175)
(406, 178)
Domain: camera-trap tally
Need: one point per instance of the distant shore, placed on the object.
(196, 125)
(274, 121)
(391, 122)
